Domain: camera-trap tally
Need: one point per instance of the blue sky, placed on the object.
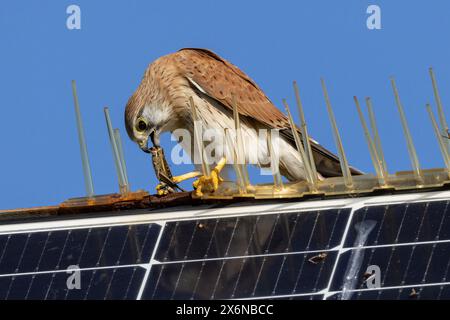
(275, 42)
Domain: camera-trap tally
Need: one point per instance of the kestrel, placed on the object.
(161, 104)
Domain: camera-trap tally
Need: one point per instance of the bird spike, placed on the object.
(305, 136)
(231, 147)
(439, 137)
(121, 155)
(278, 182)
(342, 158)
(240, 143)
(411, 149)
(301, 151)
(198, 138)
(440, 109)
(372, 149)
(376, 136)
(83, 147)
(123, 187)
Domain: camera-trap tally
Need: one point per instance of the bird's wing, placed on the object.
(223, 81)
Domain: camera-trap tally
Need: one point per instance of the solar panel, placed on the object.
(34, 265)
(290, 251)
(238, 277)
(252, 235)
(243, 257)
(409, 244)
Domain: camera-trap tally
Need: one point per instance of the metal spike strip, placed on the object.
(439, 137)
(305, 135)
(342, 158)
(122, 184)
(301, 151)
(376, 136)
(440, 109)
(240, 143)
(372, 149)
(232, 149)
(83, 147)
(274, 163)
(198, 138)
(121, 155)
(411, 149)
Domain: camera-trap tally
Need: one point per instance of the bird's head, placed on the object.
(145, 123)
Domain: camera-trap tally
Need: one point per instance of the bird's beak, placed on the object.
(154, 137)
(144, 146)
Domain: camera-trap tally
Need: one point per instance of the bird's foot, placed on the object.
(163, 189)
(209, 183)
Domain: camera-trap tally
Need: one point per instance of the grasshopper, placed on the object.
(162, 171)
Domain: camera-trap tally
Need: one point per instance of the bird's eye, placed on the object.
(141, 125)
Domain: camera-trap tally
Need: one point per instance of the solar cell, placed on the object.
(404, 223)
(87, 248)
(239, 277)
(114, 283)
(252, 235)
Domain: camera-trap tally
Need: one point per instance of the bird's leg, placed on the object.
(164, 187)
(209, 183)
(189, 175)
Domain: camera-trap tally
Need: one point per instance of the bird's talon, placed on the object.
(163, 189)
(207, 183)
